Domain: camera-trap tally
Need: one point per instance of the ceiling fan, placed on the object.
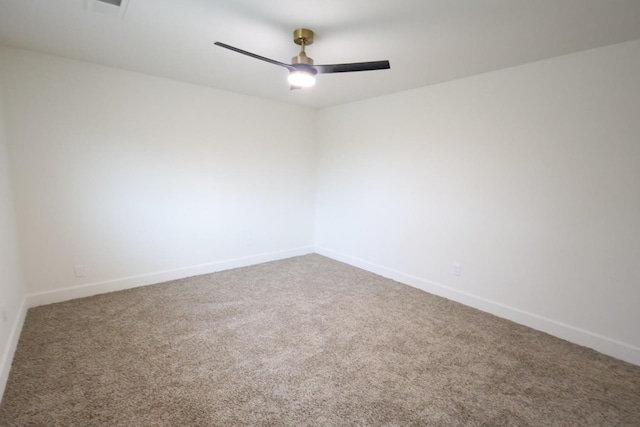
(301, 70)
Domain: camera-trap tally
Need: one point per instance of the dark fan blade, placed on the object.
(357, 66)
(253, 55)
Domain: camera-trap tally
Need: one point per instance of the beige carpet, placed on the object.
(304, 341)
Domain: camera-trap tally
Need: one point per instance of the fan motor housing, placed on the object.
(302, 58)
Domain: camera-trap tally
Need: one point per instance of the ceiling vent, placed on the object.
(113, 2)
(115, 8)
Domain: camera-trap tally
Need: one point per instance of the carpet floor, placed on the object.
(302, 341)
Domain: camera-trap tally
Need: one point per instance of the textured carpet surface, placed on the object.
(303, 341)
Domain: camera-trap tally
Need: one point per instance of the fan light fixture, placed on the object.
(301, 79)
(302, 71)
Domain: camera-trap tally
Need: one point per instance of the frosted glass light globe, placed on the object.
(301, 79)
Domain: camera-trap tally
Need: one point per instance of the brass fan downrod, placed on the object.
(302, 37)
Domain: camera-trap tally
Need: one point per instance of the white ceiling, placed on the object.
(427, 41)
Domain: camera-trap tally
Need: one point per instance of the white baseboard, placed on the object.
(12, 344)
(90, 289)
(567, 332)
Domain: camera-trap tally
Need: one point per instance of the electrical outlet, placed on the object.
(457, 269)
(78, 270)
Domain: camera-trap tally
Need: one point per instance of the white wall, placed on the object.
(139, 179)
(11, 293)
(529, 178)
